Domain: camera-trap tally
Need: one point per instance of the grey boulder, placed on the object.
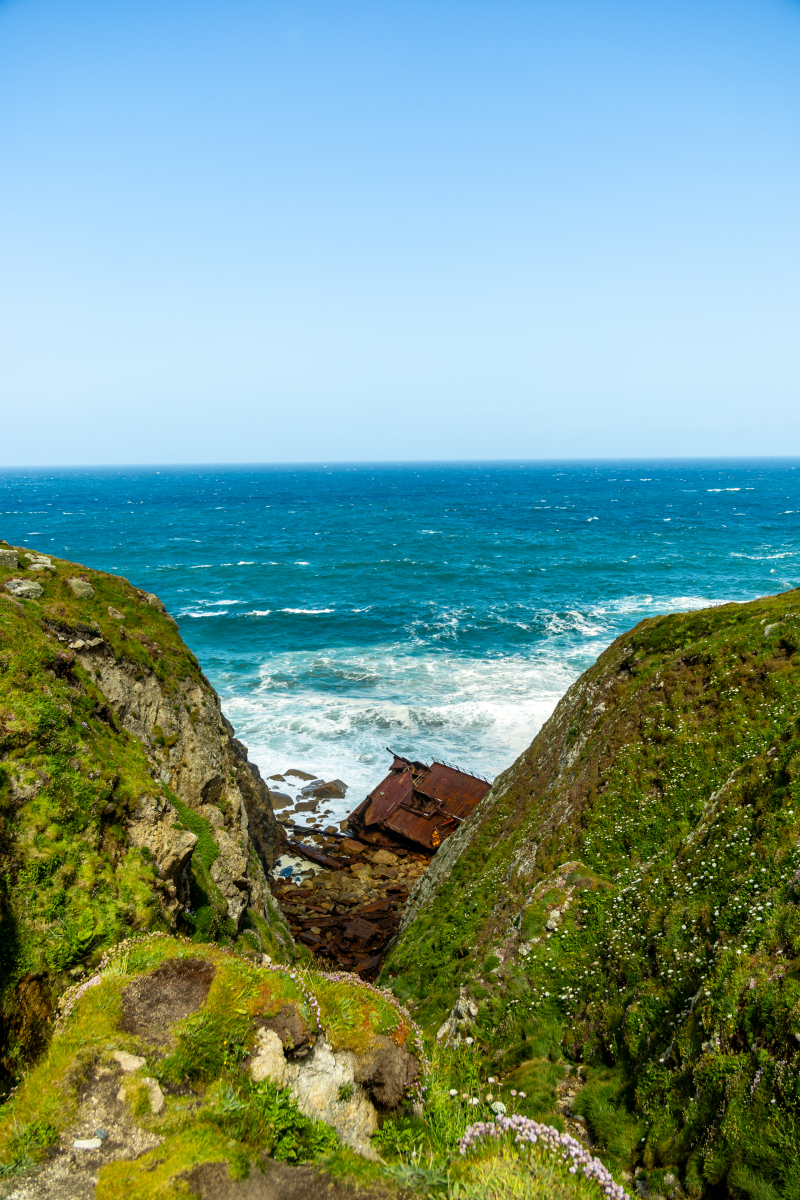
(24, 589)
(81, 589)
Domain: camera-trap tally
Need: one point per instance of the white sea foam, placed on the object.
(336, 711)
(479, 713)
(307, 611)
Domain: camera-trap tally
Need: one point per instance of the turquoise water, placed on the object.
(440, 609)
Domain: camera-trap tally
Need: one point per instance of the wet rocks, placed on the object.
(347, 914)
(319, 788)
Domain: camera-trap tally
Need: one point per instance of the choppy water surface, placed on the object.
(441, 610)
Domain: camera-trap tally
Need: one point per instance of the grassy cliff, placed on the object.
(625, 901)
(123, 797)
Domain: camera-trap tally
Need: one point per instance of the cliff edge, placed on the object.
(126, 803)
(625, 902)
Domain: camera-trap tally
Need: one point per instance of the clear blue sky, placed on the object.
(298, 231)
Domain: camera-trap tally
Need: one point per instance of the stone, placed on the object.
(101, 1133)
(39, 562)
(325, 791)
(81, 589)
(268, 1061)
(350, 847)
(93, 1143)
(464, 1012)
(155, 1093)
(115, 613)
(77, 645)
(152, 825)
(300, 774)
(554, 920)
(315, 1082)
(128, 1062)
(212, 814)
(385, 858)
(280, 799)
(153, 600)
(24, 589)
(277, 778)
(9, 558)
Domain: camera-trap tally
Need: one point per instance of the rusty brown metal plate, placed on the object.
(396, 789)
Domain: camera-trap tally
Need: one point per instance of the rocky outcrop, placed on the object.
(204, 1050)
(154, 824)
(325, 1086)
(193, 751)
(461, 1019)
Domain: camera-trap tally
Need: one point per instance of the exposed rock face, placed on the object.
(325, 1085)
(194, 751)
(153, 824)
(113, 741)
(462, 1017)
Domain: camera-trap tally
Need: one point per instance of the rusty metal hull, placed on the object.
(418, 804)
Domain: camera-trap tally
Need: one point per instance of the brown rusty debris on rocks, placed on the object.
(347, 911)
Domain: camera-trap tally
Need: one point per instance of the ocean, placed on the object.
(437, 609)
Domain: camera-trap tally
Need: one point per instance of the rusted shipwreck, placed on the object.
(417, 805)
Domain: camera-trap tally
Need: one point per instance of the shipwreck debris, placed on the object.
(343, 891)
(417, 804)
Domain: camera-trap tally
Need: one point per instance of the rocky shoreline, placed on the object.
(342, 898)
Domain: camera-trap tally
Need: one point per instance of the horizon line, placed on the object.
(410, 462)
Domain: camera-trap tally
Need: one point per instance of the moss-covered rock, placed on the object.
(125, 802)
(626, 896)
(163, 1051)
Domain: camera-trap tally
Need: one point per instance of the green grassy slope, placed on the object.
(627, 896)
(71, 884)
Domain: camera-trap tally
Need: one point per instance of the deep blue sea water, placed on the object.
(440, 609)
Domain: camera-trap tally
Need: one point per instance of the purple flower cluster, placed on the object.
(528, 1132)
